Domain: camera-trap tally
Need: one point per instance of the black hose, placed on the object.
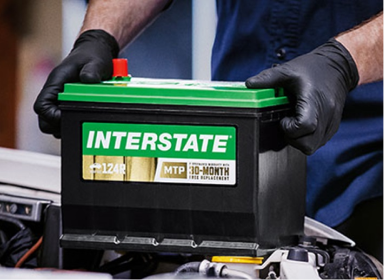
(188, 268)
(11, 220)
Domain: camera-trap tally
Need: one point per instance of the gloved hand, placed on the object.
(90, 61)
(317, 83)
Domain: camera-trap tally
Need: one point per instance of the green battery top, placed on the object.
(173, 92)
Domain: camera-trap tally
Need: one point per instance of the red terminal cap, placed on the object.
(120, 67)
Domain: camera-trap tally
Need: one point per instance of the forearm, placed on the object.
(123, 19)
(365, 44)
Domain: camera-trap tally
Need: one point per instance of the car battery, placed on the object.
(186, 166)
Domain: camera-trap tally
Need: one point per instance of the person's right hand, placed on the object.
(90, 61)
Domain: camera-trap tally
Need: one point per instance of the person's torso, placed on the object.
(254, 35)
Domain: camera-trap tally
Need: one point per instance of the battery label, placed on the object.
(159, 153)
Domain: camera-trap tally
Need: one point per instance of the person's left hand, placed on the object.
(317, 83)
(90, 61)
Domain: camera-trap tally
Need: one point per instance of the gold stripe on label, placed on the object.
(88, 171)
(174, 170)
(140, 169)
(111, 167)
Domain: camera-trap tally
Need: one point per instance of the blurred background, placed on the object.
(35, 35)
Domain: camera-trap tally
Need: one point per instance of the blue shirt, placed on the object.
(254, 35)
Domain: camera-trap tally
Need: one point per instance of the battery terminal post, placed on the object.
(120, 70)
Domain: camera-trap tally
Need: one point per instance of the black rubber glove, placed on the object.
(317, 84)
(90, 61)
